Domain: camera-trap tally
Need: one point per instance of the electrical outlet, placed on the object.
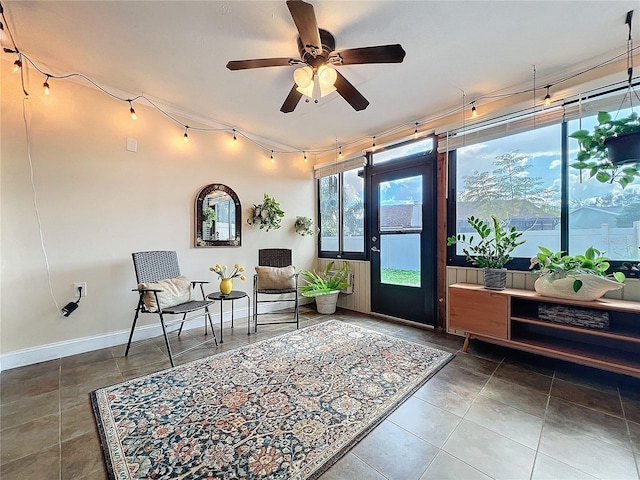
(76, 286)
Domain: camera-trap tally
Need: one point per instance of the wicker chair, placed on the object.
(275, 257)
(155, 266)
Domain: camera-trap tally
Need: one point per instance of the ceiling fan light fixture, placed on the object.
(327, 76)
(303, 77)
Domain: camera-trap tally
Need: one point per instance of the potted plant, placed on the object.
(580, 277)
(324, 287)
(611, 153)
(267, 214)
(491, 251)
(304, 226)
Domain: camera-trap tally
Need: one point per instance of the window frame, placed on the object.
(341, 253)
(522, 263)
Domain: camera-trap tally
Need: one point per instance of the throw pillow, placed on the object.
(174, 292)
(275, 278)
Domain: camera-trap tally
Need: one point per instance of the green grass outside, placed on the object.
(410, 278)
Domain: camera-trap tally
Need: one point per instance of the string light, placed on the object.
(45, 86)
(18, 64)
(186, 135)
(132, 111)
(340, 152)
(305, 156)
(272, 160)
(235, 139)
(547, 98)
(415, 132)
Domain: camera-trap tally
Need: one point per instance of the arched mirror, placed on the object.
(218, 217)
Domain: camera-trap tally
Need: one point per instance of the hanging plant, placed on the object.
(596, 148)
(267, 214)
(210, 215)
(304, 226)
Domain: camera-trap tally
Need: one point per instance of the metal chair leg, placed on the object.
(184, 317)
(166, 339)
(208, 315)
(133, 327)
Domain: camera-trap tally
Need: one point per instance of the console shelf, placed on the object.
(510, 317)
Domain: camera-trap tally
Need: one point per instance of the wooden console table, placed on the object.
(510, 317)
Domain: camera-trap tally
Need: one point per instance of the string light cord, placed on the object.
(35, 202)
(321, 150)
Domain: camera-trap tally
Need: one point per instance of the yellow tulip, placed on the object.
(243, 277)
(236, 266)
(242, 269)
(211, 269)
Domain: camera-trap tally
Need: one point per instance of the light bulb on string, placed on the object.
(415, 131)
(373, 145)
(185, 137)
(132, 111)
(17, 65)
(235, 139)
(474, 111)
(340, 152)
(272, 160)
(45, 86)
(305, 156)
(547, 98)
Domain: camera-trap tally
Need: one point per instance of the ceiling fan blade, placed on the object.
(380, 54)
(261, 62)
(350, 94)
(304, 17)
(291, 102)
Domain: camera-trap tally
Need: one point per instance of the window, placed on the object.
(526, 180)
(602, 214)
(403, 150)
(341, 207)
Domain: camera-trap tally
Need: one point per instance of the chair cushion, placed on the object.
(174, 292)
(276, 278)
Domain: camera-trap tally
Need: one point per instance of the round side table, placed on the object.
(233, 296)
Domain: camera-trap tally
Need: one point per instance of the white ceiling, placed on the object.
(176, 52)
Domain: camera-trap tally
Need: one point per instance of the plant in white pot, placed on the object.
(491, 251)
(580, 277)
(324, 287)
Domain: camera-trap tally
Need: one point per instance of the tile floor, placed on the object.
(489, 413)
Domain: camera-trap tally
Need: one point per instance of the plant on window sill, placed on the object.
(267, 215)
(493, 249)
(593, 155)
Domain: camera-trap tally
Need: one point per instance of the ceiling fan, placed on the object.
(316, 75)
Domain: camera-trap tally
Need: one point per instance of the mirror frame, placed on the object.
(199, 217)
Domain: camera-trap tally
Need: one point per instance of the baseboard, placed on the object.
(66, 348)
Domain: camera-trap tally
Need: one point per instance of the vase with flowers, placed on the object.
(226, 278)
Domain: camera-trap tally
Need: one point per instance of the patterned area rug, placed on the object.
(283, 408)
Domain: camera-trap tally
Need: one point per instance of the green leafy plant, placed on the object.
(558, 265)
(325, 282)
(267, 214)
(493, 248)
(304, 226)
(593, 155)
(210, 214)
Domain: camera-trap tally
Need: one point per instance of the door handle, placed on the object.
(375, 249)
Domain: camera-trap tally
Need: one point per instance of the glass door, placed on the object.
(403, 242)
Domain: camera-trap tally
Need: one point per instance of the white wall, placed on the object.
(99, 202)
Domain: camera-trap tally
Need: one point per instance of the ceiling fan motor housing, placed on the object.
(328, 46)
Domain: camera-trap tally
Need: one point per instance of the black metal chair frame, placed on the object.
(274, 257)
(159, 265)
